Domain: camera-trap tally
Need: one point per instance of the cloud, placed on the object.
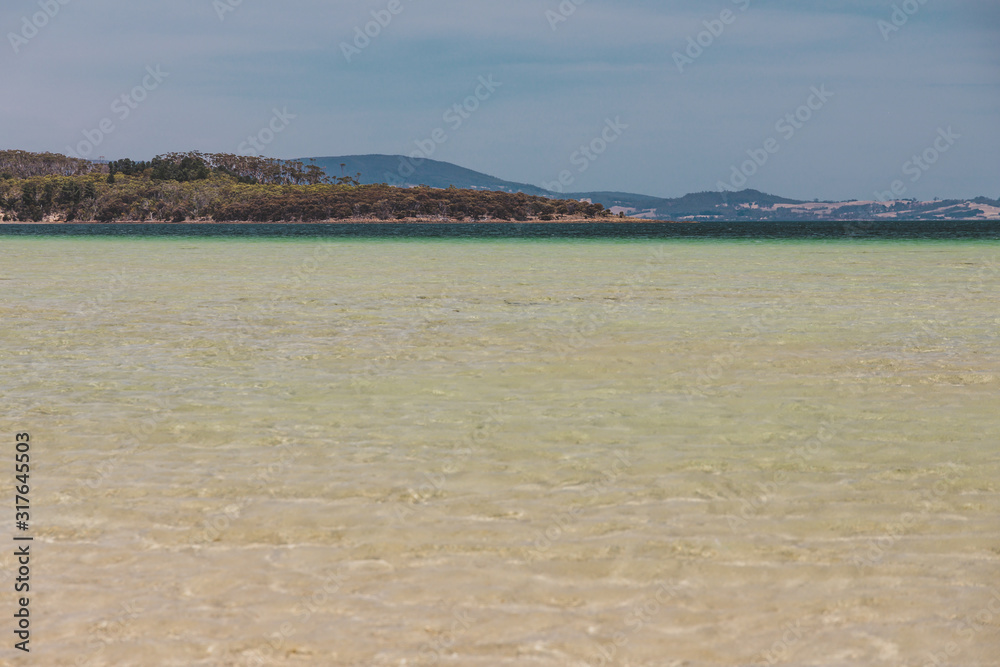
(606, 59)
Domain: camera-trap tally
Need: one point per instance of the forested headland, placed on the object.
(219, 187)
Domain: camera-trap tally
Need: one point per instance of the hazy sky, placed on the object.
(660, 113)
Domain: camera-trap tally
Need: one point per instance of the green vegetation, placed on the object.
(180, 187)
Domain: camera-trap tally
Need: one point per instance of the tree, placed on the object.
(184, 186)
(29, 191)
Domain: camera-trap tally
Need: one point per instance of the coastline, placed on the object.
(359, 221)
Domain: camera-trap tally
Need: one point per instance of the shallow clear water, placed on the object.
(333, 451)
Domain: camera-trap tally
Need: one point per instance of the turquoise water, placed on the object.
(947, 230)
(340, 451)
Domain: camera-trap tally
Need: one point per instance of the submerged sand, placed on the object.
(329, 452)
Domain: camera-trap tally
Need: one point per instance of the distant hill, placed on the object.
(700, 204)
(744, 205)
(400, 171)
(224, 187)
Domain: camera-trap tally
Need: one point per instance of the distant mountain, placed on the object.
(403, 172)
(700, 204)
(744, 205)
(754, 205)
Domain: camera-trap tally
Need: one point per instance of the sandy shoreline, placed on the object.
(352, 221)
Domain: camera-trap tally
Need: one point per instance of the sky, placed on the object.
(829, 100)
